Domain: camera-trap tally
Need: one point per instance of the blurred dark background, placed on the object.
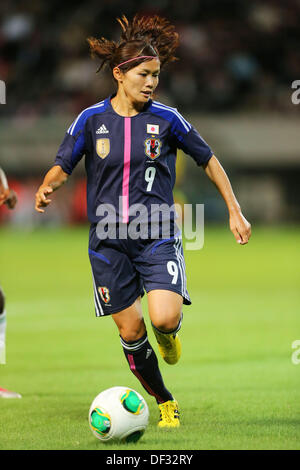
(233, 82)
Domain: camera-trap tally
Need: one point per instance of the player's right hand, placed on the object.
(41, 199)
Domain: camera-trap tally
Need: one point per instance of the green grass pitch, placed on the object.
(236, 383)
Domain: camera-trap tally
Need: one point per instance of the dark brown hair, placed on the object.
(143, 36)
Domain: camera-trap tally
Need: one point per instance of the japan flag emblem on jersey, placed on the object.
(102, 147)
(152, 147)
(152, 129)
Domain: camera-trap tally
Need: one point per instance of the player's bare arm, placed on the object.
(239, 226)
(53, 180)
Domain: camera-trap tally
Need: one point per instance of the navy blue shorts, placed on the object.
(123, 269)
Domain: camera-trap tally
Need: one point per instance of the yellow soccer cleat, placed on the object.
(169, 415)
(169, 346)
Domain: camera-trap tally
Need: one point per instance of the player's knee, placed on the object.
(2, 301)
(168, 321)
(132, 332)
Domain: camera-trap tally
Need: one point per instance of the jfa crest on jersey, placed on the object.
(104, 293)
(152, 147)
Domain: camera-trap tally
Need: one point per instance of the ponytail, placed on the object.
(151, 36)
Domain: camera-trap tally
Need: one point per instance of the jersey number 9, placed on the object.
(149, 177)
(173, 271)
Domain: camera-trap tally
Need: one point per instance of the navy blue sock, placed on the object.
(143, 363)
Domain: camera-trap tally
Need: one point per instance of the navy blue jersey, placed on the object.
(129, 159)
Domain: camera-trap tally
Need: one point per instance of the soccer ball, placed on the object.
(118, 413)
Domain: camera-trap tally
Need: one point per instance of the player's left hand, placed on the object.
(240, 227)
(12, 199)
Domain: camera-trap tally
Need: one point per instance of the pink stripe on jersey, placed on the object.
(143, 382)
(126, 170)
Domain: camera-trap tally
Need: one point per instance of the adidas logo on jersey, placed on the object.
(149, 351)
(102, 130)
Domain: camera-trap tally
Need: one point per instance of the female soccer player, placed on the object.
(8, 197)
(130, 143)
